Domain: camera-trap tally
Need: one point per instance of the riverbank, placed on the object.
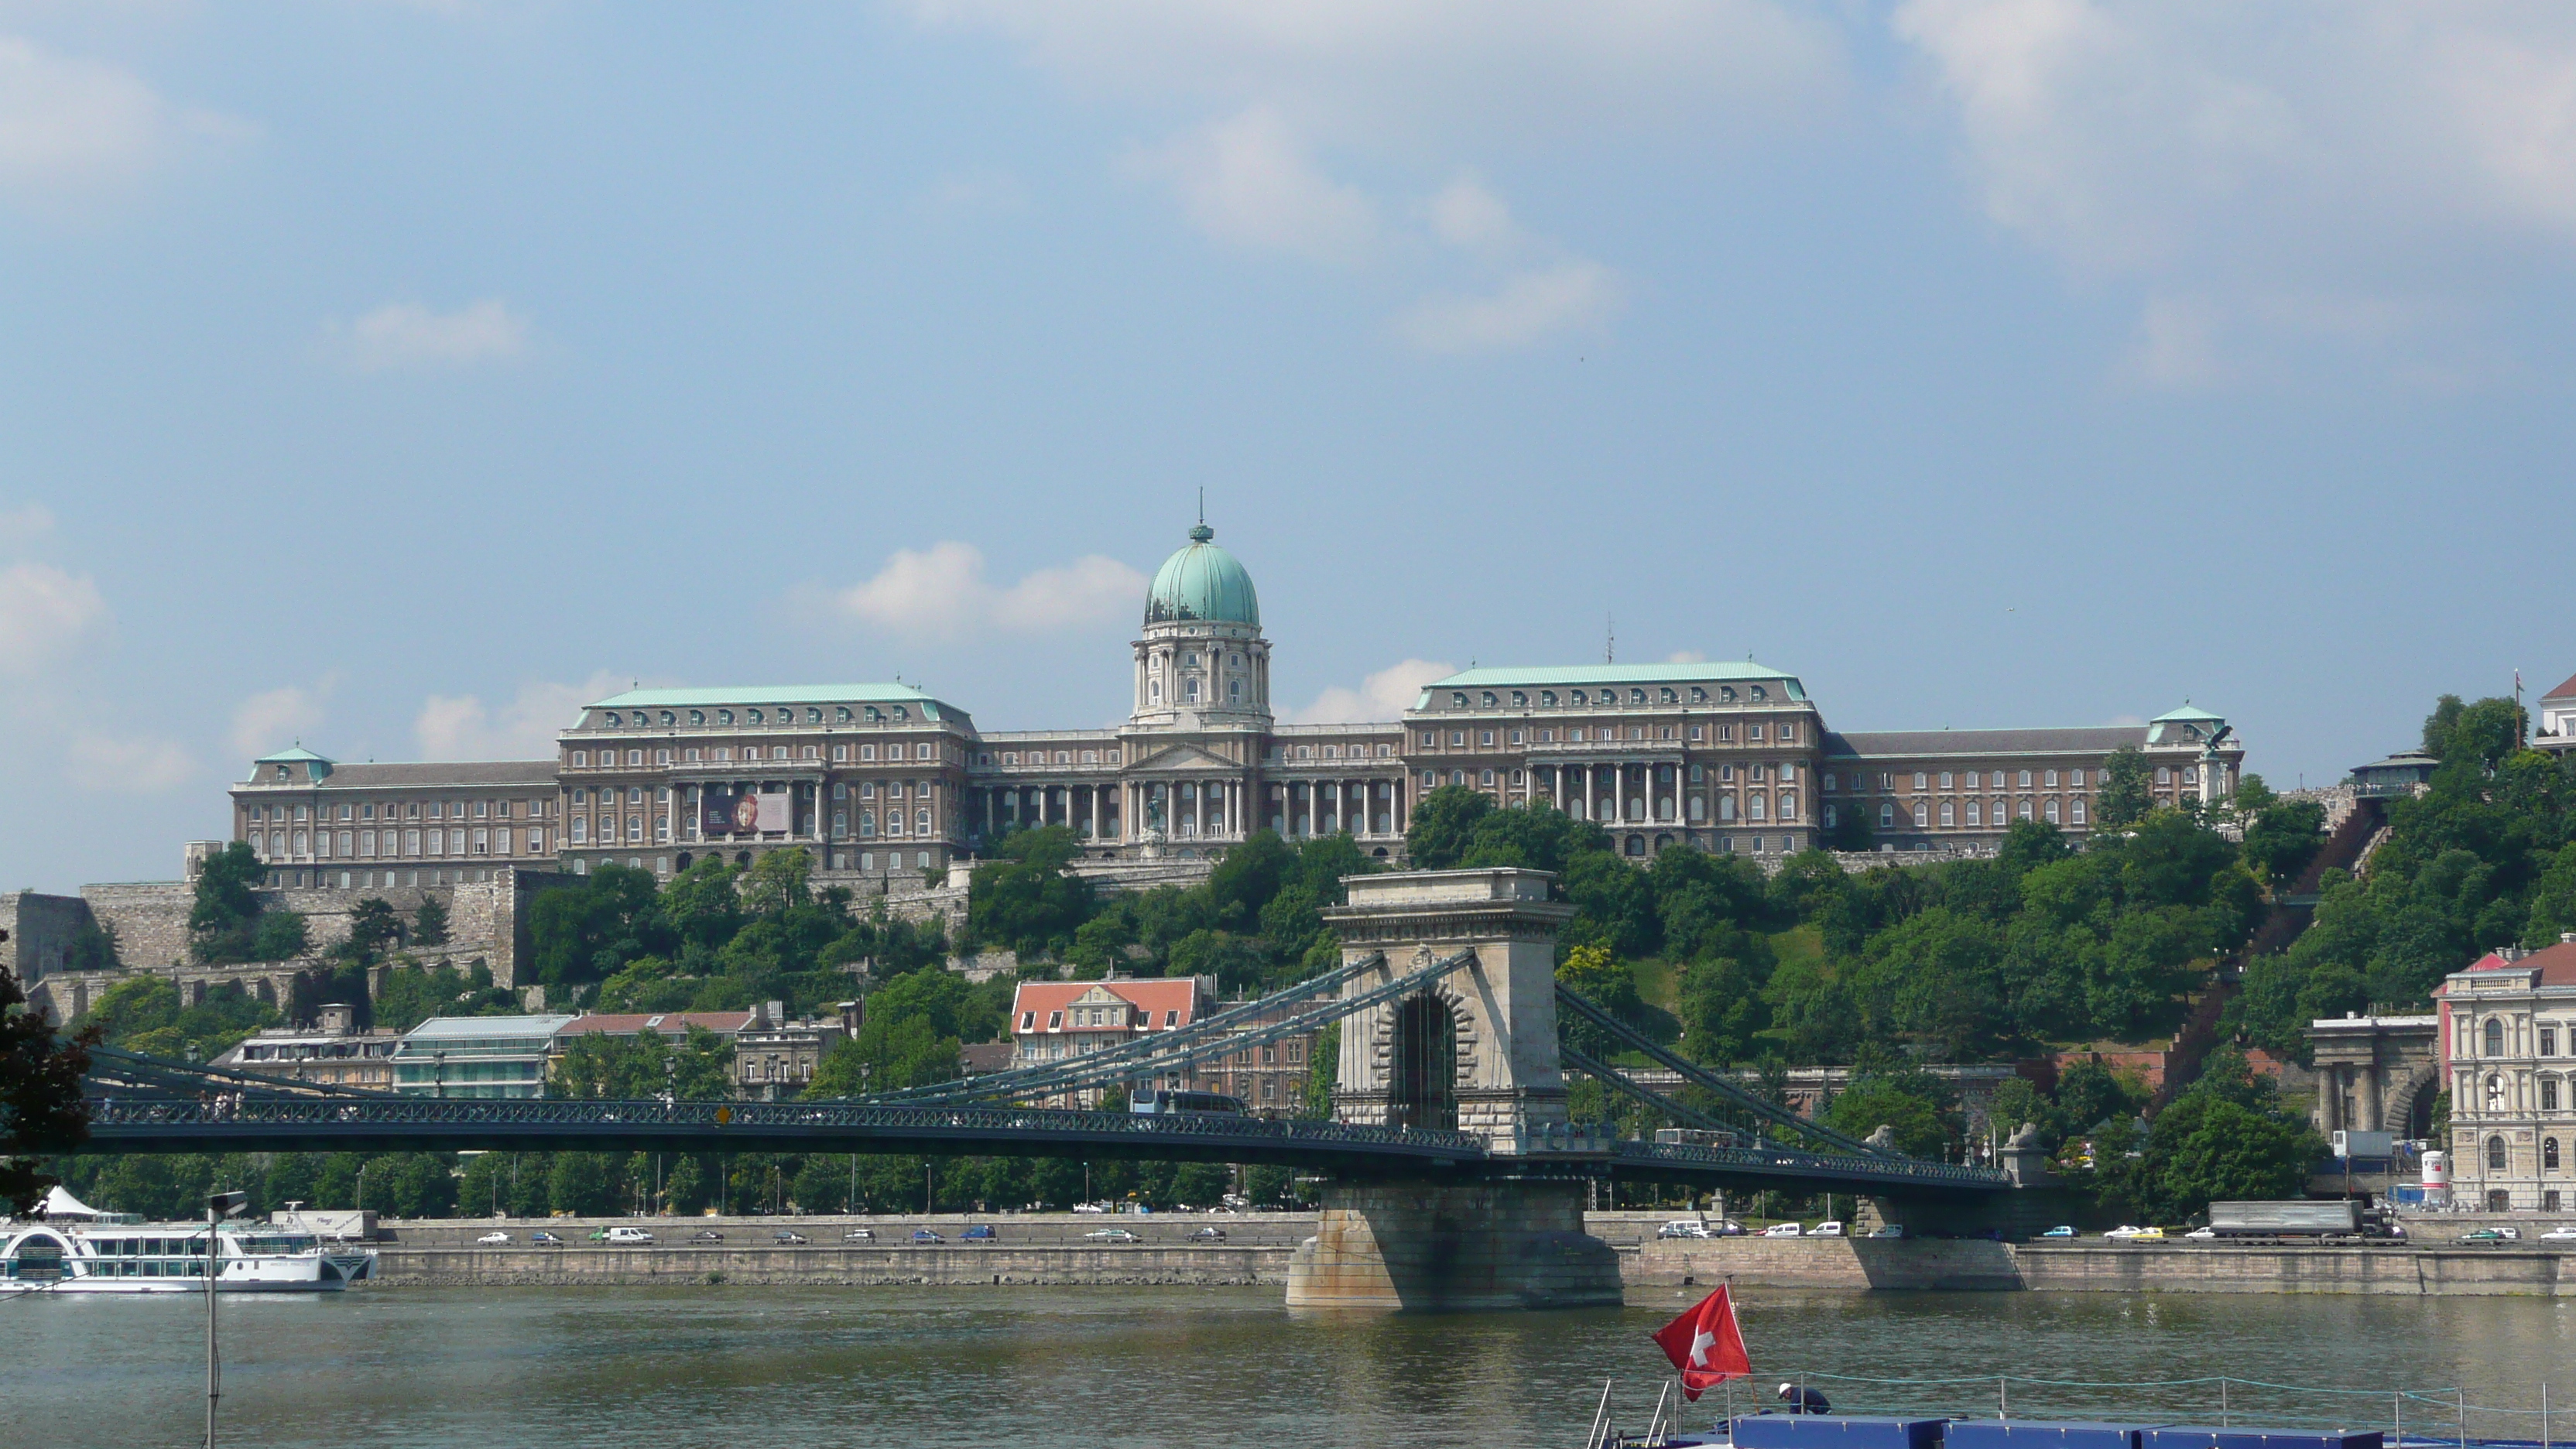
(1052, 1250)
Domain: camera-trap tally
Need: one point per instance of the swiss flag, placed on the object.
(1706, 1345)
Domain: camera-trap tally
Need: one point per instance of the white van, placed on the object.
(1782, 1230)
(1683, 1228)
(629, 1235)
(1829, 1228)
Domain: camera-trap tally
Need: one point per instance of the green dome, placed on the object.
(1202, 584)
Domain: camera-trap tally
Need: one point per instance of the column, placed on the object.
(1198, 807)
(1095, 810)
(2370, 1088)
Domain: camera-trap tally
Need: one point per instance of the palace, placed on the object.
(886, 781)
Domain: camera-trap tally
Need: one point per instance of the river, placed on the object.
(463, 1368)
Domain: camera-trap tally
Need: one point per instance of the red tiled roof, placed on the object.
(2564, 691)
(668, 1023)
(2556, 964)
(1155, 997)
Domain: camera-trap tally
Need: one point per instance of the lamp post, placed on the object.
(219, 1206)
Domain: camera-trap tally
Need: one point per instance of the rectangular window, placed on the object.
(2075, 778)
(1753, 734)
(536, 842)
(1788, 733)
(2548, 1041)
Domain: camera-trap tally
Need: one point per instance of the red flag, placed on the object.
(1706, 1345)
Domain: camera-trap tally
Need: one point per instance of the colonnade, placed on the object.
(1631, 788)
(1091, 807)
(1366, 807)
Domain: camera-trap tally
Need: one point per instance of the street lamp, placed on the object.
(219, 1206)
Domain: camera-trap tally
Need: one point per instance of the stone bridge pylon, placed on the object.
(1475, 1050)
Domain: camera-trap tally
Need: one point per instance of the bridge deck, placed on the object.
(390, 1124)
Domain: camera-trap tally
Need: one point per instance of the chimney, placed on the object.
(775, 1016)
(2567, 938)
(339, 1018)
(854, 1014)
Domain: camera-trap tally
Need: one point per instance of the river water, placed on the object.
(464, 1368)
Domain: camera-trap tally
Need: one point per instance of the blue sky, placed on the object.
(393, 376)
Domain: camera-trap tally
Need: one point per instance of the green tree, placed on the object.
(1026, 899)
(2124, 798)
(41, 1112)
(1592, 973)
(1436, 838)
(1916, 1111)
(225, 908)
(2282, 836)
(374, 925)
(429, 923)
(92, 947)
(281, 936)
(586, 931)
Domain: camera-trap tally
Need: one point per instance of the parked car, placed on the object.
(2144, 1235)
(1784, 1230)
(1208, 1235)
(1683, 1228)
(1829, 1228)
(980, 1233)
(2124, 1232)
(1091, 1207)
(925, 1235)
(1892, 1230)
(2563, 1233)
(706, 1235)
(2060, 1233)
(1112, 1235)
(788, 1238)
(627, 1235)
(2202, 1232)
(859, 1235)
(2509, 1230)
(492, 1240)
(2482, 1235)
(545, 1239)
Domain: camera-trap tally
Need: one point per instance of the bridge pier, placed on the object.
(1453, 1247)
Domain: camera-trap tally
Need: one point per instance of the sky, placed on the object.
(395, 377)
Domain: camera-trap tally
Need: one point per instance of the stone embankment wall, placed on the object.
(2098, 1267)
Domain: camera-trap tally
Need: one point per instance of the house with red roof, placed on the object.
(2508, 1040)
(2555, 729)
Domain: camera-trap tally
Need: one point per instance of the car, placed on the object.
(980, 1233)
(788, 1237)
(627, 1235)
(2148, 1235)
(2124, 1232)
(1727, 1229)
(2059, 1233)
(1683, 1228)
(925, 1235)
(706, 1235)
(1091, 1207)
(1208, 1235)
(492, 1240)
(2563, 1233)
(1826, 1229)
(2509, 1230)
(1112, 1235)
(2482, 1235)
(2202, 1233)
(1892, 1230)
(1784, 1230)
(544, 1239)
(859, 1235)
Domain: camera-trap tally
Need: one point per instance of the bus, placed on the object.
(1157, 1101)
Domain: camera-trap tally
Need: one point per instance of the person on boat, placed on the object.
(1803, 1399)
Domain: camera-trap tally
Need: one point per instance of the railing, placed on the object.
(1811, 1164)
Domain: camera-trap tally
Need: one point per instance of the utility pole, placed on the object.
(219, 1206)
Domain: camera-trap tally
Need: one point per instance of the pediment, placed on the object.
(1181, 759)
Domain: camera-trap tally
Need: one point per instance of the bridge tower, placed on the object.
(1475, 1051)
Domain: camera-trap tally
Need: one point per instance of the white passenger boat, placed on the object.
(73, 1249)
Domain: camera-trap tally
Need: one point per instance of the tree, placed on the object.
(1590, 972)
(226, 908)
(281, 936)
(2124, 798)
(374, 924)
(41, 1112)
(92, 947)
(1850, 828)
(2281, 836)
(1436, 838)
(429, 923)
(1873, 1101)
(1027, 899)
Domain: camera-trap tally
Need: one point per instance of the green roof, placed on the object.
(1202, 584)
(1582, 674)
(2189, 712)
(775, 694)
(295, 756)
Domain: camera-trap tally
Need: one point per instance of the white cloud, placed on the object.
(74, 131)
(2289, 168)
(269, 720)
(1384, 695)
(1247, 180)
(1465, 214)
(132, 766)
(941, 592)
(45, 615)
(1528, 307)
(462, 727)
(406, 334)
(24, 525)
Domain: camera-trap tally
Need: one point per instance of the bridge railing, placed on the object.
(1775, 1159)
(819, 1117)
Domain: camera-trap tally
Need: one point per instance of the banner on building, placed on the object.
(742, 810)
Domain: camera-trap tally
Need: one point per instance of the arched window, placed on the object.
(2495, 1037)
(2495, 1093)
(1886, 816)
(2549, 1154)
(2495, 1154)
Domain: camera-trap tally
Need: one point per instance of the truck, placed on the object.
(2337, 1218)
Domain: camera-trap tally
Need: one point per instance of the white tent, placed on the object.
(61, 1207)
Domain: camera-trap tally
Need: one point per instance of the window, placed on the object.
(2549, 1094)
(2495, 1154)
(2164, 776)
(1753, 807)
(1920, 780)
(1949, 813)
(2075, 778)
(2495, 1037)
(1973, 814)
(2075, 811)
(2549, 1154)
(2052, 779)
(2025, 780)
(2052, 812)
(2549, 1041)
(1945, 780)
(1886, 816)
(1753, 733)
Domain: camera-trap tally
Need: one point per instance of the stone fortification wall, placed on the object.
(40, 931)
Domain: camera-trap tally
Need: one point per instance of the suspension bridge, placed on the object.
(1453, 1173)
